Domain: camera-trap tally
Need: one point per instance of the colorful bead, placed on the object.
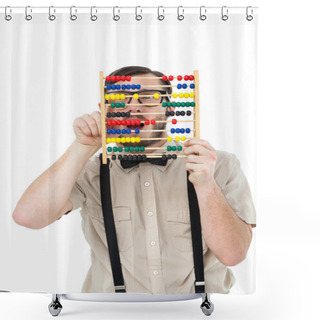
(164, 78)
(136, 96)
(123, 140)
(123, 104)
(127, 139)
(188, 130)
(164, 104)
(138, 86)
(178, 104)
(133, 122)
(113, 140)
(192, 86)
(191, 77)
(184, 86)
(173, 130)
(136, 148)
(118, 122)
(109, 149)
(118, 78)
(109, 131)
(113, 122)
(131, 148)
(137, 131)
(123, 78)
(179, 86)
(113, 78)
(186, 95)
(120, 149)
(181, 95)
(138, 139)
(169, 139)
(108, 140)
(171, 78)
(174, 148)
(128, 78)
(179, 148)
(192, 104)
(118, 140)
(153, 121)
(175, 95)
(177, 130)
(133, 86)
(128, 131)
(191, 95)
(108, 78)
(133, 140)
(113, 131)
(174, 121)
(138, 122)
(109, 123)
(174, 104)
(179, 78)
(177, 138)
(126, 149)
(168, 148)
(186, 78)
(115, 149)
(107, 97)
(118, 87)
(142, 148)
(128, 122)
(183, 138)
(182, 130)
(156, 95)
(146, 122)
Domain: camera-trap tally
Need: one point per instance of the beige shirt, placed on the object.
(151, 213)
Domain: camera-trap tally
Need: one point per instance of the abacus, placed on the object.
(109, 120)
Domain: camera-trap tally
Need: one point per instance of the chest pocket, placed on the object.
(123, 224)
(179, 228)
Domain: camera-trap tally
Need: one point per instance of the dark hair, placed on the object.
(134, 70)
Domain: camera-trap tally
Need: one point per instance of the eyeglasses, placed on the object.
(149, 98)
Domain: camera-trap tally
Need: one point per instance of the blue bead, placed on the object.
(128, 131)
(137, 131)
(188, 130)
(179, 85)
(184, 86)
(133, 86)
(182, 130)
(138, 86)
(128, 86)
(113, 131)
(177, 130)
(118, 131)
(124, 87)
(113, 87)
(118, 86)
(109, 131)
(192, 85)
(124, 131)
(108, 87)
(173, 130)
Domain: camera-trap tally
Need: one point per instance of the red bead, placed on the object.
(107, 78)
(128, 122)
(191, 77)
(174, 121)
(153, 121)
(118, 122)
(108, 123)
(179, 78)
(113, 78)
(118, 78)
(138, 122)
(186, 78)
(146, 122)
(113, 122)
(123, 78)
(170, 78)
(164, 78)
(123, 122)
(128, 78)
(133, 122)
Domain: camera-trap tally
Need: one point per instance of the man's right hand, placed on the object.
(87, 129)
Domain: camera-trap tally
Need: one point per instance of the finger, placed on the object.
(191, 158)
(81, 124)
(91, 124)
(194, 166)
(202, 142)
(97, 116)
(198, 150)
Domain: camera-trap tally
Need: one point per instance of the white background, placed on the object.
(288, 240)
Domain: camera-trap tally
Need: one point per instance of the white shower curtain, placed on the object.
(49, 75)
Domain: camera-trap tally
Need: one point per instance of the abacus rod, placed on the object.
(151, 155)
(157, 131)
(103, 116)
(146, 104)
(137, 113)
(159, 121)
(151, 95)
(160, 85)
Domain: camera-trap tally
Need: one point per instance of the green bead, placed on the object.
(112, 105)
(123, 104)
(193, 104)
(168, 148)
(120, 149)
(142, 148)
(174, 148)
(164, 104)
(115, 149)
(118, 105)
(183, 104)
(169, 104)
(179, 148)
(109, 149)
(178, 104)
(174, 104)
(188, 104)
(126, 149)
(131, 148)
(136, 148)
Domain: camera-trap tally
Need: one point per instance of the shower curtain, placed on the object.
(49, 76)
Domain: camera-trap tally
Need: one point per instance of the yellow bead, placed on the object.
(177, 138)
(191, 95)
(186, 95)
(113, 140)
(181, 95)
(123, 140)
(122, 96)
(169, 139)
(108, 140)
(127, 139)
(156, 95)
(118, 140)
(183, 138)
(107, 97)
(138, 139)
(133, 139)
(136, 96)
(175, 95)
(118, 96)
(113, 97)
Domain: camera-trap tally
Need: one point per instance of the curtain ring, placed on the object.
(28, 16)
(203, 15)
(93, 17)
(180, 16)
(116, 17)
(73, 16)
(7, 16)
(249, 16)
(160, 16)
(138, 16)
(224, 13)
(52, 16)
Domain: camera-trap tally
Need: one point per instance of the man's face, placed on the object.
(141, 111)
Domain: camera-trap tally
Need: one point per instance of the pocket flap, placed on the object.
(178, 215)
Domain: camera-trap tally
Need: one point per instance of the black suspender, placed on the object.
(112, 237)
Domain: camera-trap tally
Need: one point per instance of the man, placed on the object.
(150, 204)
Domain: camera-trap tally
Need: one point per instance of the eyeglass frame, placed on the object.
(138, 92)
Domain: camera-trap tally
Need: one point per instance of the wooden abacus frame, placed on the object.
(196, 114)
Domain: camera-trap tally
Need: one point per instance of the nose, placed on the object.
(133, 106)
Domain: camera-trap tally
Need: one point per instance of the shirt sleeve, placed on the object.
(238, 194)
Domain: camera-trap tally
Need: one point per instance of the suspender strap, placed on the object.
(109, 226)
(196, 238)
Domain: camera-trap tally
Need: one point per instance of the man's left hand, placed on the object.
(200, 162)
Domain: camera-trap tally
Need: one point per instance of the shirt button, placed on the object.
(152, 243)
(150, 213)
(147, 184)
(155, 272)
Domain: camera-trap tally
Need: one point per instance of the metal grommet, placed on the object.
(138, 16)
(249, 16)
(203, 14)
(116, 17)
(73, 16)
(28, 16)
(180, 16)
(224, 13)
(52, 16)
(7, 16)
(93, 17)
(160, 16)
